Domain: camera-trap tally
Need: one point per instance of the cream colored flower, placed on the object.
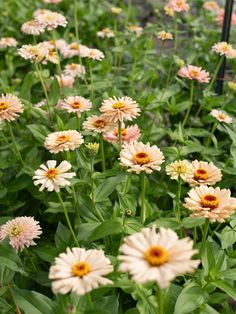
(10, 107)
(76, 104)
(6, 42)
(123, 108)
(129, 134)
(211, 6)
(98, 124)
(204, 173)
(169, 11)
(116, 10)
(178, 5)
(65, 80)
(224, 49)
(33, 53)
(138, 30)
(63, 141)
(93, 54)
(74, 70)
(163, 35)
(51, 56)
(141, 157)
(106, 33)
(51, 177)
(214, 204)
(32, 28)
(180, 168)
(52, 1)
(157, 257)
(221, 116)
(80, 271)
(50, 20)
(74, 49)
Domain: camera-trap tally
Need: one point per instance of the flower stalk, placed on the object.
(190, 104)
(143, 208)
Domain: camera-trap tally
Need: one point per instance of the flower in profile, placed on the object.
(6, 42)
(106, 33)
(169, 11)
(116, 10)
(122, 108)
(60, 44)
(80, 271)
(163, 35)
(32, 28)
(93, 54)
(50, 20)
(220, 18)
(51, 56)
(211, 6)
(21, 231)
(98, 124)
(194, 73)
(138, 30)
(221, 116)
(73, 49)
(214, 204)
(204, 173)
(10, 107)
(76, 104)
(157, 257)
(178, 5)
(63, 141)
(129, 134)
(34, 53)
(52, 1)
(232, 85)
(180, 169)
(138, 157)
(224, 49)
(75, 70)
(65, 80)
(51, 177)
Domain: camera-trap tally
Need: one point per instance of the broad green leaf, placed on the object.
(190, 222)
(62, 237)
(106, 228)
(229, 274)
(228, 237)
(172, 223)
(39, 131)
(85, 230)
(54, 93)
(107, 187)
(223, 285)
(10, 259)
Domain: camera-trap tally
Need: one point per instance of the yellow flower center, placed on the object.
(118, 105)
(31, 23)
(74, 46)
(80, 269)
(106, 30)
(156, 255)
(15, 231)
(3, 105)
(73, 66)
(52, 173)
(142, 158)
(200, 174)
(123, 132)
(100, 123)
(194, 73)
(76, 105)
(63, 138)
(222, 116)
(52, 42)
(209, 201)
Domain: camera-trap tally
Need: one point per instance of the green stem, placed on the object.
(102, 154)
(30, 258)
(143, 208)
(67, 218)
(127, 184)
(215, 73)
(128, 13)
(75, 202)
(209, 139)
(205, 232)
(190, 104)
(90, 301)
(91, 79)
(58, 65)
(17, 152)
(120, 133)
(160, 301)
(92, 192)
(178, 202)
(175, 32)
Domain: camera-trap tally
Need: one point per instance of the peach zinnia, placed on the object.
(74, 70)
(194, 73)
(141, 157)
(51, 20)
(224, 49)
(106, 33)
(76, 104)
(129, 134)
(10, 107)
(32, 28)
(163, 35)
(6, 42)
(214, 204)
(221, 116)
(178, 5)
(211, 6)
(98, 124)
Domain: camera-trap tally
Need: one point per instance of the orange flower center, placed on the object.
(156, 255)
(209, 201)
(73, 66)
(52, 42)
(80, 269)
(15, 231)
(194, 73)
(118, 105)
(100, 123)
(106, 30)
(222, 116)
(200, 174)
(123, 132)
(76, 105)
(63, 138)
(142, 158)
(52, 173)
(74, 46)
(3, 105)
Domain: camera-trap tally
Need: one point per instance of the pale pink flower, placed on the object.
(224, 49)
(50, 20)
(21, 231)
(98, 124)
(60, 44)
(76, 104)
(138, 30)
(34, 53)
(106, 33)
(32, 28)
(122, 108)
(220, 18)
(74, 49)
(10, 107)
(52, 1)
(74, 70)
(40, 12)
(6, 42)
(194, 73)
(129, 134)
(51, 56)
(221, 116)
(93, 54)
(211, 6)
(65, 80)
(178, 5)
(40, 104)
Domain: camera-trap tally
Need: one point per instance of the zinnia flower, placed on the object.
(65, 80)
(129, 134)
(211, 6)
(6, 42)
(194, 73)
(204, 173)
(98, 124)
(214, 204)
(52, 1)
(163, 35)
(73, 49)
(51, 20)
(232, 85)
(157, 257)
(52, 177)
(76, 104)
(178, 5)
(33, 53)
(80, 271)
(10, 107)
(138, 30)
(32, 28)
(224, 49)
(74, 70)
(221, 116)
(93, 54)
(106, 33)
(180, 168)
(123, 108)
(63, 141)
(220, 18)
(141, 157)
(21, 231)
(116, 10)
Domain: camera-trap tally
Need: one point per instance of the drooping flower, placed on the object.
(224, 49)
(180, 169)
(221, 116)
(6, 42)
(21, 231)
(76, 104)
(98, 124)
(163, 35)
(204, 173)
(51, 177)
(63, 141)
(123, 108)
(194, 73)
(80, 271)
(10, 107)
(138, 157)
(129, 134)
(32, 28)
(106, 33)
(214, 204)
(65, 80)
(211, 6)
(74, 70)
(157, 257)
(178, 5)
(50, 20)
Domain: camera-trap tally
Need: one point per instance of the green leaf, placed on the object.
(102, 192)
(62, 237)
(172, 223)
(10, 259)
(227, 237)
(85, 230)
(54, 93)
(191, 222)
(39, 131)
(131, 226)
(207, 309)
(28, 82)
(106, 228)
(228, 274)
(223, 285)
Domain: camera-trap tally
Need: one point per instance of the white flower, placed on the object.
(106, 33)
(74, 70)
(50, 20)
(32, 28)
(221, 116)
(180, 168)
(224, 49)
(6, 42)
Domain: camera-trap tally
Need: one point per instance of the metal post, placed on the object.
(224, 37)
